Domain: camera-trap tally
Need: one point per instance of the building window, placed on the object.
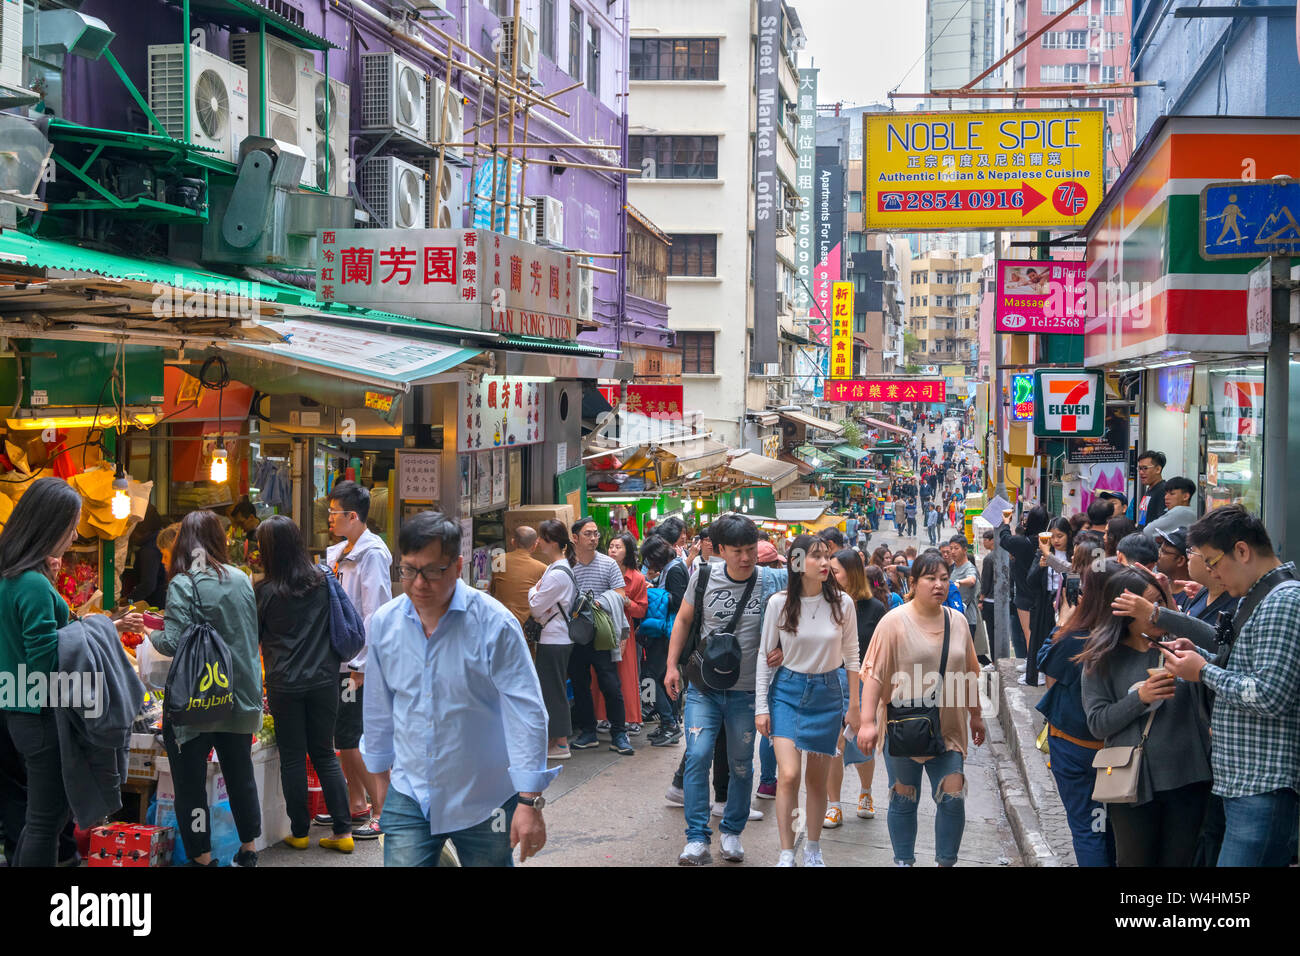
(1062, 73)
(1065, 40)
(1113, 40)
(697, 352)
(1051, 7)
(855, 202)
(1112, 74)
(693, 256)
(593, 60)
(655, 59)
(674, 157)
(1112, 8)
(575, 41)
(546, 31)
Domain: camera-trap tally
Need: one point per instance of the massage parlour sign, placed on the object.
(1069, 403)
(470, 278)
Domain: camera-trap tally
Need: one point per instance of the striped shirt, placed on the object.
(1255, 747)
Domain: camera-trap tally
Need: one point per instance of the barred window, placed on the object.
(674, 157)
(659, 59)
(693, 256)
(697, 352)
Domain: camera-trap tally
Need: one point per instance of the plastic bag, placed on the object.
(225, 838)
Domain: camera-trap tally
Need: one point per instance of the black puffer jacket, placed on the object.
(295, 637)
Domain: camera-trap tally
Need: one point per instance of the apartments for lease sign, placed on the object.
(990, 169)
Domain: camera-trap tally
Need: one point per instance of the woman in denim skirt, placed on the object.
(800, 705)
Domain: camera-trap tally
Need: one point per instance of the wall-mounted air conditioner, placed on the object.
(453, 130)
(395, 192)
(550, 221)
(527, 47)
(11, 43)
(394, 95)
(586, 293)
(336, 150)
(289, 94)
(216, 100)
(446, 203)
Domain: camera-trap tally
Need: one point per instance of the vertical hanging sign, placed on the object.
(842, 330)
(766, 67)
(807, 163)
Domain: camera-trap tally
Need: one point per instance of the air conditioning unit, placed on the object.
(336, 150)
(216, 101)
(289, 94)
(784, 222)
(550, 221)
(1095, 22)
(1094, 56)
(395, 192)
(586, 293)
(527, 47)
(11, 43)
(453, 131)
(772, 369)
(394, 95)
(446, 203)
(527, 221)
(782, 302)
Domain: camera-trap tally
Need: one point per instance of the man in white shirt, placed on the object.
(362, 564)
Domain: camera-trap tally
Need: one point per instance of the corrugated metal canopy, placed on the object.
(812, 422)
(850, 452)
(877, 423)
(777, 474)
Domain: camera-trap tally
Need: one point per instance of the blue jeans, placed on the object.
(766, 761)
(950, 808)
(1071, 765)
(1261, 829)
(706, 712)
(408, 842)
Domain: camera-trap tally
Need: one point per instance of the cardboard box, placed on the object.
(533, 515)
(142, 764)
(270, 791)
(131, 845)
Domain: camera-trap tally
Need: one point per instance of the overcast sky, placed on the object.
(863, 48)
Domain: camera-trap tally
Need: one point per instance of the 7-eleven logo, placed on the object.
(1068, 398)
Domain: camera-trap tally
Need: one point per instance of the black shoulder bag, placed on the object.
(723, 647)
(912, 729)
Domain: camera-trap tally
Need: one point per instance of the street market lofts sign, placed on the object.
(989, 169)
(469, 278)
(766, 188)
(1069, 403)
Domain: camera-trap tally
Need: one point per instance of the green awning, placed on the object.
(849, 481)
(551, 345)
(850, 452)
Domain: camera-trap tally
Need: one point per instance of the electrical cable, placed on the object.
(928, 48)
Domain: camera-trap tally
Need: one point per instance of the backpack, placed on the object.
(533, 627)
(954, 600)
(347, 629)
(198, 685)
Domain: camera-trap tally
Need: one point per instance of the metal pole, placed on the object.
(1277, 390)
(1001, 638)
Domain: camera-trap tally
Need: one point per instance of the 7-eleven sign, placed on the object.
(1069, 403)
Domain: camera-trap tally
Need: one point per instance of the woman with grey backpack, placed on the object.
(550, 602)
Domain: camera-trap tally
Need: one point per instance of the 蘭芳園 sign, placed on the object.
(971, 170)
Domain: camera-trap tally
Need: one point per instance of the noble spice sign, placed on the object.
(469, 278)
(1069, 403)
(886, 390)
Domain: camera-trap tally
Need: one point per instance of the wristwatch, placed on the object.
(537, 803)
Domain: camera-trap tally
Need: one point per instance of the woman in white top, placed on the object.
(549, 603)
(800, 705)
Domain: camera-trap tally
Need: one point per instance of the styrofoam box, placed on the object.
(270, 792)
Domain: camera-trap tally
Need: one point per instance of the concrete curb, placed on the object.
(1028, 788)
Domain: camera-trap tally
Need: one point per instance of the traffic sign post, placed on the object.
(1250, 220)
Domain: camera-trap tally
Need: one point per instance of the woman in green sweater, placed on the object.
(42, 527)
(225, 596)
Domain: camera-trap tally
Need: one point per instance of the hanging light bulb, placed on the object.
(699, 504)
(121, 504)
(654, 512)
(220, 464)
(751, 502)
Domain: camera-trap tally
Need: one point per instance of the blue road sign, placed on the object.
(1242, 220)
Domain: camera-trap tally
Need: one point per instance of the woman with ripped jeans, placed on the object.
(908, 645)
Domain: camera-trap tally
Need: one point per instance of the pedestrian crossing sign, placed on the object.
(1250, 220)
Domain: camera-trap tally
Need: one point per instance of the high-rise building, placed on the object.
(693, 107)
(943, 294)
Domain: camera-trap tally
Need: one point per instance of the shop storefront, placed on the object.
(1175, 321)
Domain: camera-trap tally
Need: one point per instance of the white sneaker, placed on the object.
(786, 859)
(675, 797)
(812, 856)
(732, 851)
(719, 809)
(755, 814)
(1020, 666)
(695, 854)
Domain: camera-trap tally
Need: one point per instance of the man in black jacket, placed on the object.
(986, 596)
(1151, 496)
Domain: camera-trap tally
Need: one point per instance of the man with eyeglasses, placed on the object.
(362, 564)
(1255, 749)
(454, 712)
(595, 573)
(1151, 504)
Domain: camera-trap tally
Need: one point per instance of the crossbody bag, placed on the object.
(912, 729)
(1119, 770)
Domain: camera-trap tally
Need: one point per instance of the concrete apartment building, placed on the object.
(692, 107)
(943, 294)
(1091, 45)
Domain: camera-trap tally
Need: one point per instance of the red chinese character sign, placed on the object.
(500, 413)
(465, 277)
(886, 390)
(841, 330)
